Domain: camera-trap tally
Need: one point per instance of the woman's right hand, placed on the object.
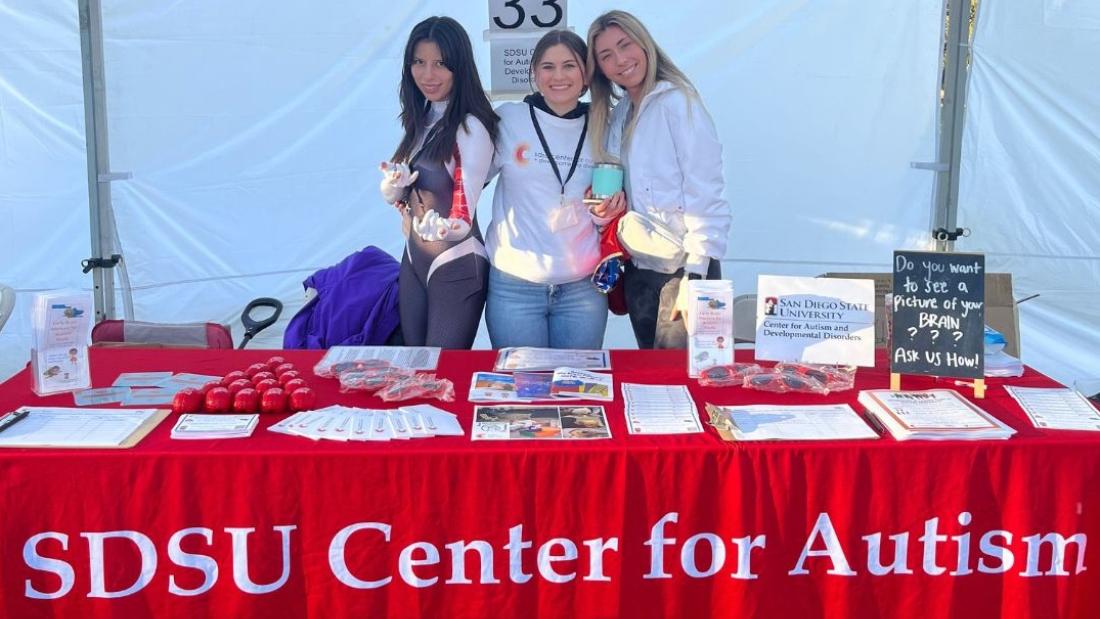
(396, 178)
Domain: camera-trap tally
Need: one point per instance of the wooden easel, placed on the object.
(979, 385)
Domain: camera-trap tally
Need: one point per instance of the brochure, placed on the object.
(581, 385)
(199, 427)
(660, 409)
(505, 423)
(548, 359)
(61, 329)
(517, 387)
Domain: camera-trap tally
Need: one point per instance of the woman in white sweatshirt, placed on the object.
(647, 116)
(543, 242)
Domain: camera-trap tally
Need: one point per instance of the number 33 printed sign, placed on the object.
(526, 14)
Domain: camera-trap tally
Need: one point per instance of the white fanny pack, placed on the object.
(642, 235)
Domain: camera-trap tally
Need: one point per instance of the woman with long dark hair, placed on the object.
(435, 179)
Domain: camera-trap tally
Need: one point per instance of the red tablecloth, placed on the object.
(633, 526)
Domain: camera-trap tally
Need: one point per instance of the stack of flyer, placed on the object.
(342, 423)
(199, 427)
(934, 414)
(61, 329)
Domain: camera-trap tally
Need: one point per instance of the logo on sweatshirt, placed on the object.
(521, 153)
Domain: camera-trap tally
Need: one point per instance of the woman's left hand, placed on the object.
(432, 227)
(680, 308)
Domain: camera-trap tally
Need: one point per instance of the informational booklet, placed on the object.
(150, 396)
(185, 380)
(581, 385)
(516, 387)
(61, 330)
(436, 421)
(525, 359)
(419, 358)
(660, 409)
(105, 395)
(825, 422)
(709, 324)
(342, 424)
(933, 414)
(75, 427)
(1056, 409)
(205, 427)
(141, 379)
(505, 423)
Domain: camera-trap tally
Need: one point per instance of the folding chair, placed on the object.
(188, 335)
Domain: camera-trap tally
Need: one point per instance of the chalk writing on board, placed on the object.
(938, 308)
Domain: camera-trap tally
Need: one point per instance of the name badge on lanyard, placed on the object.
(566, 215)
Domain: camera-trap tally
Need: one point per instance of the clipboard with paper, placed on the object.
(86, 428)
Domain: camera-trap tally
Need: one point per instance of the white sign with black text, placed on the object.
(515, 26)
(815, 320)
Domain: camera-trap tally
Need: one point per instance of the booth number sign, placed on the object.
(526, 14)
(514, 28)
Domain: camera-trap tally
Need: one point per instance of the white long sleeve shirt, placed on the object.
(673, 167)
(538, 233)
(474, 147)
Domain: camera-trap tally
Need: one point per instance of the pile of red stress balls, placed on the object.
(274, 386)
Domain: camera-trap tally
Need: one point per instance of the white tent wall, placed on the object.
(253, 132)
(1030, 186)
(44, 217)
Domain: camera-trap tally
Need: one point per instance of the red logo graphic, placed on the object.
(521, 153)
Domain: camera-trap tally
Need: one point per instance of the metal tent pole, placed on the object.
(99, 176)
(952, 116)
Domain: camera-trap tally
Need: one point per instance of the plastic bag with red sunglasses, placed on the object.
(779, 381)
(418, 386)
(834, 377)
(732, 375)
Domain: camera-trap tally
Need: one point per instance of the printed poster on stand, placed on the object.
(815, 320)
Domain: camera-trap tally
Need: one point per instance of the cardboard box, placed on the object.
(1000, 307)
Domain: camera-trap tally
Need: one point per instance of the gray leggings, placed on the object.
(445, 310)
(650, 297)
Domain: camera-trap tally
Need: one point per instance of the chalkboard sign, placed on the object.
(938, 314)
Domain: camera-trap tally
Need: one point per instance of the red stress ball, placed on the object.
(187, 401)
(237, 385)
(302, 399)
(286, 377)
(232, 376)
(246, 400)
(218, 400)
(255, 368)
(273, 401)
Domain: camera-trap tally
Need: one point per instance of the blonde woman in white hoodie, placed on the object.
(647, 116)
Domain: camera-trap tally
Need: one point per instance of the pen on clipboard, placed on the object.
(13, 419)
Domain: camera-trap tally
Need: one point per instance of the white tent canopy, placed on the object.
(252, 132)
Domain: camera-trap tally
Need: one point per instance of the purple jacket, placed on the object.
(356, 304)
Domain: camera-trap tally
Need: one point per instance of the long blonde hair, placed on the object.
(605, 94)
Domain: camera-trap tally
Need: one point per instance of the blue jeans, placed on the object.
(523, 313)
